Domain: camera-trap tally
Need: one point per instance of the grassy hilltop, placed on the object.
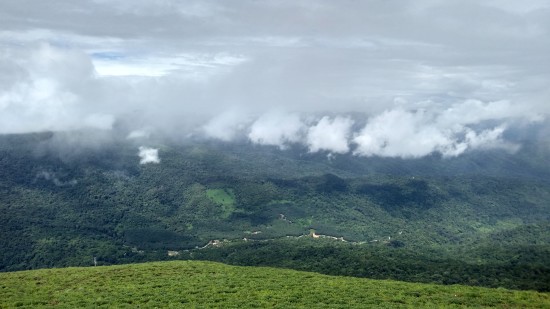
(208, 284)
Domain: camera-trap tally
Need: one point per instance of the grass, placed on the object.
(223, 197)
(214, 285)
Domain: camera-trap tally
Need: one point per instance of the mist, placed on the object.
(370, 79)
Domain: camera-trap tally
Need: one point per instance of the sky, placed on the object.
(369, 78)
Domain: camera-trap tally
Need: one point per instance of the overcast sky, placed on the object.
(384, 77)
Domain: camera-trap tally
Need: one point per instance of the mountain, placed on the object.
(478, 219)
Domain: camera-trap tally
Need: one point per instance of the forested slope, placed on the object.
(478, 219)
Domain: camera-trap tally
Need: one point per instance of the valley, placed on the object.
(414, 224)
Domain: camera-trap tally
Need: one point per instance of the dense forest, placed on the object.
(479, 219)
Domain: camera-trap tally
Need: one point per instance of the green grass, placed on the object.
(208, 284)
(223, 197)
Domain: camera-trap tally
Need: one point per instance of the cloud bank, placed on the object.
(337, 77)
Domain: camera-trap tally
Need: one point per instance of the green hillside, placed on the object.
(480, 219)
(206, 284)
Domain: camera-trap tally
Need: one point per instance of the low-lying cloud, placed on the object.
(276, 129)
(51, 176)
(393, 133)
(148, 155)
(330, 135)
(400, 133)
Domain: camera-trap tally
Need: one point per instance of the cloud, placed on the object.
(476, 111)
(225, 126)
(49, 89)
(489, 139)
(401, 133)
(276, 129)
(139, 134)
(443, 79)
(50, 176)
(148, 155)
(413, 134)
(330, 135)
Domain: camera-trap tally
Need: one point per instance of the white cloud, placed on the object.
(476, 111)
(330, 135)
(49, 89)
(138, 134)
(488, 139)
(398, 133)
(412, 134)
(226, 126)
(277, 129)
(148, 155)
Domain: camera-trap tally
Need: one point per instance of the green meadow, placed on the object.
(223, 197)
(214, 285)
